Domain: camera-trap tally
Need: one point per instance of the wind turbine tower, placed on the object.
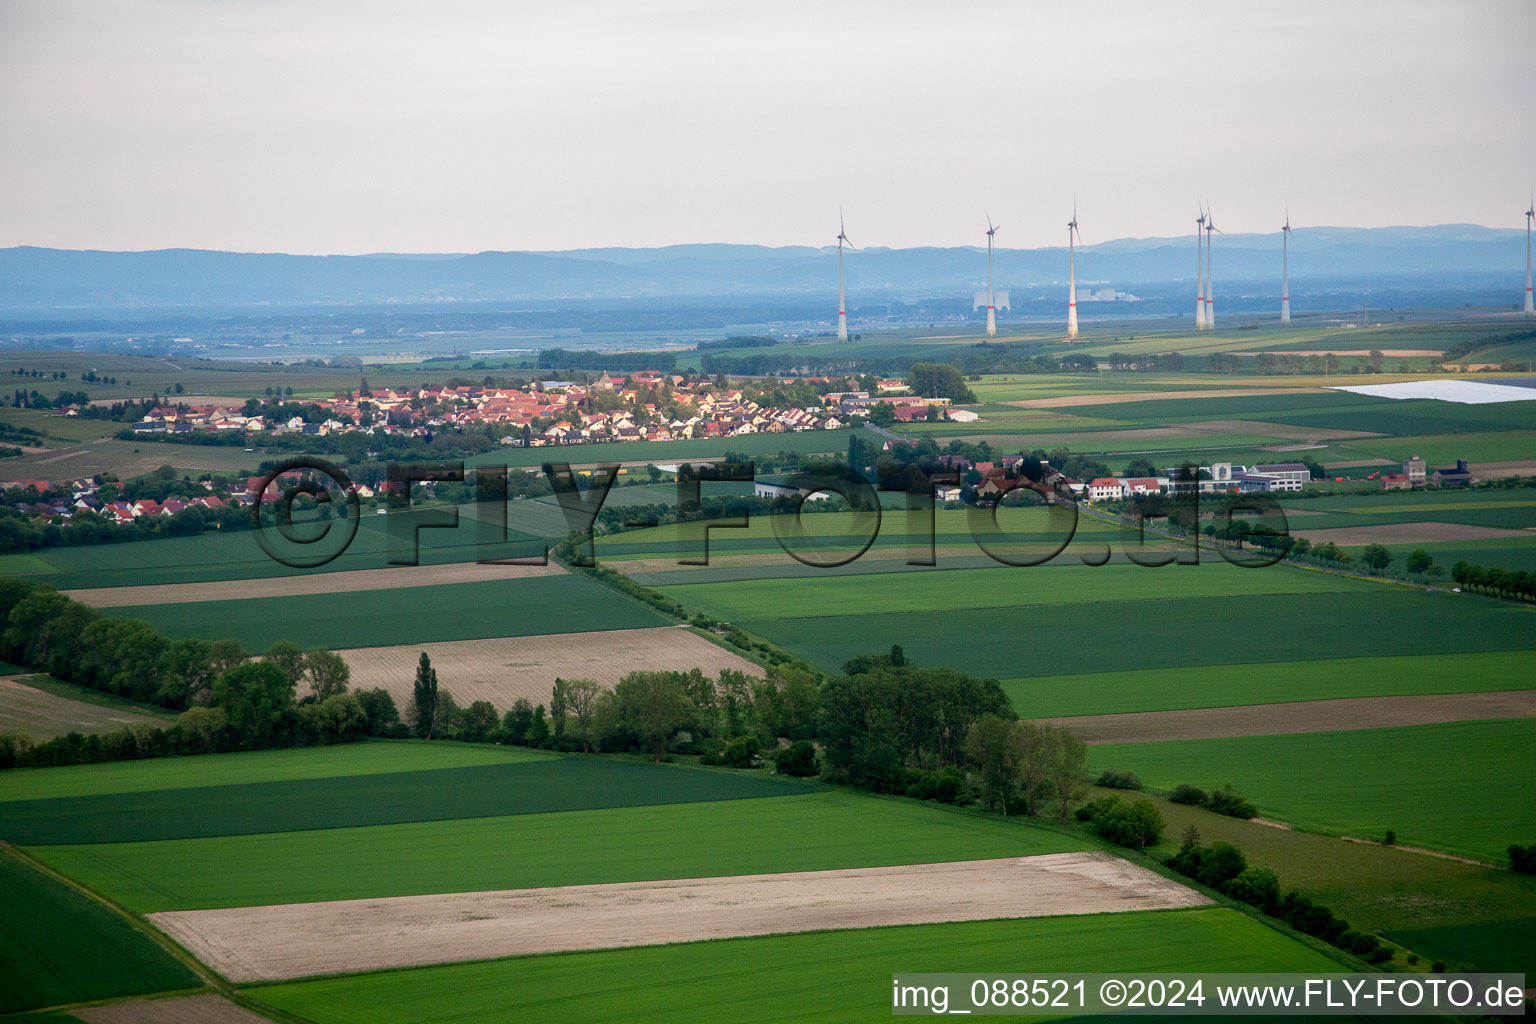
(1072, 233)
(1285, 268)
(1210, 286)
(1530, 214)
(842, 307)
(991, 303)
(1199, 270)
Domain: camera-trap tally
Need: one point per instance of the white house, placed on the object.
(1105, 488)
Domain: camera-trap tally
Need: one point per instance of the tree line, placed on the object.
(226, 700)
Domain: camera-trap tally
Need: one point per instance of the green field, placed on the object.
(528, 606)
(826, 976)
(479, 791)
(1166, 689)
(820, 830)
(1000, 587)
(1014, 643)
(237, 555)
(1377, 888)
(1461, 787)
(59, 946)
(1492, 946)
(347, 759)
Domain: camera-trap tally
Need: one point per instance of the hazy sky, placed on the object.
(323, 127)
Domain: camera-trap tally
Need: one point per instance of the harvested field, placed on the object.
(1301, 716)
(299, 939)
(505, 669)
(1409, 533)
(206, 1008)
(1153, 396)
(1488, 470)
(309, 583)
(28, 711)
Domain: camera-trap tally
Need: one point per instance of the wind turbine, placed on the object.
(1210, 286)
(991, 308)
(1072, 274)
(1199, 269)
(1285, 268)
(1530, 214)
(842, 307)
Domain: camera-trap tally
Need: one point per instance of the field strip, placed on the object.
(1301, 716)
(1153, 396)
(1287, 431)
(1407, 533)
(204, 1008)
(1492, 469)
(299, 939)
(504, 669)
(347, 581)
(42, 716)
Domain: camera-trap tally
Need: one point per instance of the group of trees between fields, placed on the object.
(227, 700)
(883, 724)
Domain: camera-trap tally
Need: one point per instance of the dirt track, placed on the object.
(261, 943)
(1063, 401)
(502, 670)
(1407, 533)
(310, 583)
(206, 1008)
(1301, 716)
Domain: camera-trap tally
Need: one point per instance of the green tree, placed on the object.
(226, 654)
(538, 728)
(423, 710)
(1419, 561)
(1067, 770)
(204, 723)
(993, 746)
(478, 721)
(653, 705)
(882, 414)
(939, 380)
(327, 672)
(289, 657)
(189, 669)
(1376, 556)
(581, 702)
(253, 695)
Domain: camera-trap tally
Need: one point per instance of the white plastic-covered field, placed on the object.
(299, 939)
(1467, 392)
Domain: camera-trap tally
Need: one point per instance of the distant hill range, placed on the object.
(1446, 257)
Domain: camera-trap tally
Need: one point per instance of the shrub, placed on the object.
(743, 752)
(1115, 778)
(1220, 863)
(1390, 839)
(1137, 825)
(1523, 859)
(1226, 801)
(1358, 943)
(797, 759)
(1084, 813)
(1258, 887)
(1379, 955)
(943, 785)
(1184, 793)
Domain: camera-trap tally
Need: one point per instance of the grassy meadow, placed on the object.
(1459, 787)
